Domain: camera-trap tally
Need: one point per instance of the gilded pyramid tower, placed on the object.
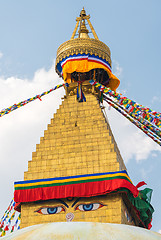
(77, 172)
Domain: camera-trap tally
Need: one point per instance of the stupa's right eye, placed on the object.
(51, 210)
(89, 207)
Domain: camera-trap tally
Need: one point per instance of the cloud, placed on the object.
(156, 99)
(1, 54)
(145, 172)
(117, 69)
(122, 91)
(132, 142)
(21, 129)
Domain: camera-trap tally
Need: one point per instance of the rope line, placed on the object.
(144, 118)
(10, 221)
(23, 103)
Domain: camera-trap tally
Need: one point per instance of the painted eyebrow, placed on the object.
(59, 200)
(75, 202)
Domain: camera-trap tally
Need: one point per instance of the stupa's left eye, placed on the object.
(89, 207)
(51, 210)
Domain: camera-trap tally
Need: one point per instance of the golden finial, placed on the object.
(83, 31)
(83, 13)
(81, 22)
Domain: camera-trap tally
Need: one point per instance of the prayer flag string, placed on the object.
(153, 129)
(10, 221)
(23, 103)
(144, 118)
(135, 122)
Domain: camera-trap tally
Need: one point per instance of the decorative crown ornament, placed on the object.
(95, 56)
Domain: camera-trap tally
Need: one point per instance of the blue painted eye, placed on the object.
(89, 207)
(51, 210)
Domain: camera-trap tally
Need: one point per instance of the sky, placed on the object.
(30, 33)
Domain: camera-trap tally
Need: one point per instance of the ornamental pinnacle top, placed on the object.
(82, 27)
(81, 47)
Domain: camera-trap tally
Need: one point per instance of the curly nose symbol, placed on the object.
(69, 217)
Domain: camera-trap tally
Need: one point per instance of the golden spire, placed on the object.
(81, 43)
(83, 13)
(83, 31)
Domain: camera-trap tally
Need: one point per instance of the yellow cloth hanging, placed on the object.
(86, 66)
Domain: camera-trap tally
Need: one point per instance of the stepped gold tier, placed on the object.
(77, 141)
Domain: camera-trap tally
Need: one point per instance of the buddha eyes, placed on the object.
(51, 210)
(59, 209)
(89, 207)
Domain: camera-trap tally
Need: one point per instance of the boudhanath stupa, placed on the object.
(77, 185)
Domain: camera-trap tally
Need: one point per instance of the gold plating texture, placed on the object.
(87, 46)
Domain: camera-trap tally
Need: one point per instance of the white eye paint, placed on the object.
(89, 207)
(69, 217)
(51, 210)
